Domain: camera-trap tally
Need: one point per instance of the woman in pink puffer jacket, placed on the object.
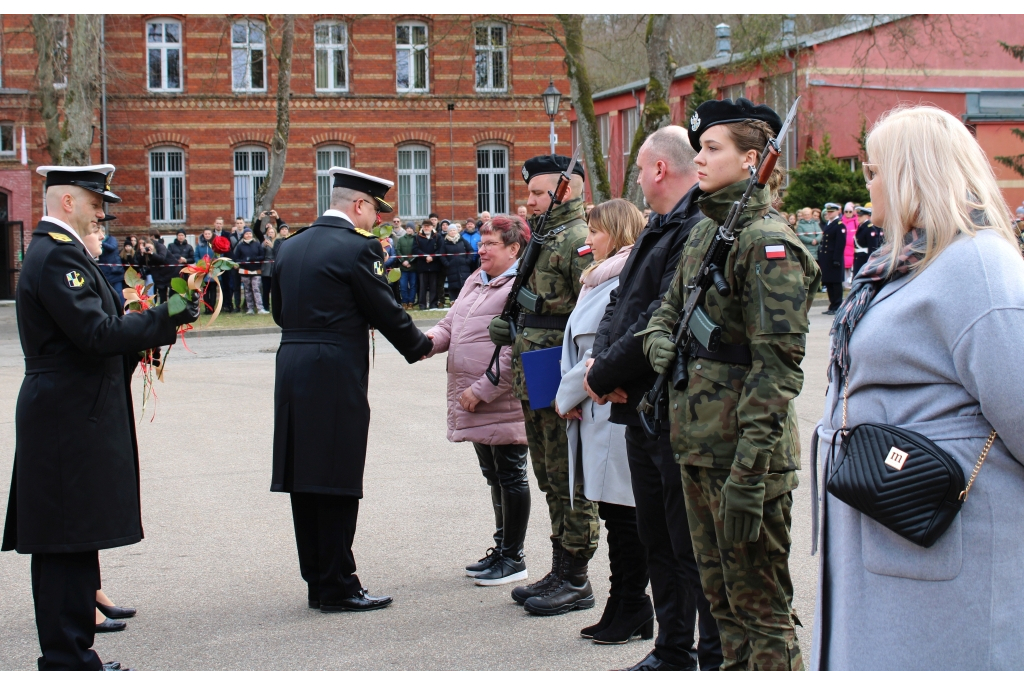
(490, 416)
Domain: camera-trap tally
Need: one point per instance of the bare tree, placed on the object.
(51, 35)
(657, 112)
(279, 145)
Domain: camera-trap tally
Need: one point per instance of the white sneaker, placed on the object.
(263, 311)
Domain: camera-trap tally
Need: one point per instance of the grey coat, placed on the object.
(938, 354)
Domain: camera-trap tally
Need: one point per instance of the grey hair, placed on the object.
(671, 144)
(342, 196)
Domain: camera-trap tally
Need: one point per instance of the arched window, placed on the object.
(331, 52)
(411, 67)
(492, 179)
(250, 172)
(166, 185)
(163, 55)
(414, 181)
(326, 157)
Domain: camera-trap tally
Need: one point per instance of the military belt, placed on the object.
(730, 354)
(323, 336)
(550, 322)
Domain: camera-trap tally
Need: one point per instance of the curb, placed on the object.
(274, 330)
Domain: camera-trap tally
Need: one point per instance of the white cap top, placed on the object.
(334, 170)
(96, 168)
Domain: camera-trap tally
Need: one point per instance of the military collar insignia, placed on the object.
(60, 237)
(74, 280)
(694, 122)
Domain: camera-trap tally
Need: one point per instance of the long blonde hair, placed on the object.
(618, 218)
(935, 176)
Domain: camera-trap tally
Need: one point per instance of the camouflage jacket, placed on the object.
(735, 416)
(556, 279)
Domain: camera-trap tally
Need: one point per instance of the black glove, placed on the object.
(500, 332)
(190, 313)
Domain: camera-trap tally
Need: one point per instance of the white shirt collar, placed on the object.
(340, 214)
(68, 229)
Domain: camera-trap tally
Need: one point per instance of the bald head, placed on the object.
(77, 207)
(671, 145)
(666, 166)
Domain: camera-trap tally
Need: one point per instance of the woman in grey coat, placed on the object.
(929, 340)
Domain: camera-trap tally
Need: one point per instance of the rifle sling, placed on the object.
(730, 354)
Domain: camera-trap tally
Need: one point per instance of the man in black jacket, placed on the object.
(620, 373)
(831, 255)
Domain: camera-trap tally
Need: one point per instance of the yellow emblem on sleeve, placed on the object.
(60, 237)
(378, 268)
(74, 280)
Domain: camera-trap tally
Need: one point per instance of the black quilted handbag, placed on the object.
(901, 479)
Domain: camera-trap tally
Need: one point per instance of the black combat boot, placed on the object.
(573, 591)
(525, 592)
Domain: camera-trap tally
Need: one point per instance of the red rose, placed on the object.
(221, 245)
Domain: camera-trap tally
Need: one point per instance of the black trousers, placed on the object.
(627, 556)
(429, 281)
(265, 284)
(665, 531)
(504, 469)
(64, 593)
(324, 528)
(161, 293)
(835, 295)
(228, 283)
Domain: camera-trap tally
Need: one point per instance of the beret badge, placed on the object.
(694, 122)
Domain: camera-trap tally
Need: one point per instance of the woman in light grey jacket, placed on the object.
(929, 339)
(597, 447)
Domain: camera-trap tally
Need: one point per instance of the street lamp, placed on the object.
(552, 98)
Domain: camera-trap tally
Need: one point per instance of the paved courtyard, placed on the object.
(216, 580)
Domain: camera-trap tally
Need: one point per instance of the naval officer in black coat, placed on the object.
(329, 289)
(75, 427)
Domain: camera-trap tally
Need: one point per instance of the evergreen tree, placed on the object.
(702, 92)
(822, 178)
(1015, 162)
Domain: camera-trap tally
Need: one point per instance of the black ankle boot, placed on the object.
(634, 619)
(572, 591)
(610, 608)
(525, 592)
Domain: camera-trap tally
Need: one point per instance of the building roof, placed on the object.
(855, 25)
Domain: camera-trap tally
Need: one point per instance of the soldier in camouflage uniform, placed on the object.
(556, 281)
(734, 427)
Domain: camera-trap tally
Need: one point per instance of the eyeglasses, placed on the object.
(489, 245)
(870, 171)
(847, 211)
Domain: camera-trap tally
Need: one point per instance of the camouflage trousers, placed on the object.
(748, 584)
(577, 527)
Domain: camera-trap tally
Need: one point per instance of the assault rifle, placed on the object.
(513, 310)
(694, 325)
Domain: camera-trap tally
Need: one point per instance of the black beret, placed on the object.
(549, 164)
(714, 112)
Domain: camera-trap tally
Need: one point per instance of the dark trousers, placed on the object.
(324, 528)
(835, 295)
(265, 282)
(504, 469)
(229, 283)
(428, 281)
(64, 593)
(161, 292)
(627, 556)
(665, 531)
(209, 298)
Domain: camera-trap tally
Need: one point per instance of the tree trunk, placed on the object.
(46, 75)
(83, 90)
(657, 113)
(279, 146)
(583, 101)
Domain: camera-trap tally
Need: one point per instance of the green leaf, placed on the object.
(176, 304)
(180, 286)
(394, 275)
(132, 278)
(383, 231)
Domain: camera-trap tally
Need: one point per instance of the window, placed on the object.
(630, 118)
(331, 44)
(737, 90)
(248, 53)
(250, 172)
(166, 185)
(852, 162)
(326, 157)
(778, 91)
(491, 57)
(163, 50)
(411, 57)
(7, 139)
(60, 51)
(492, 180)
(414, 182)
(604, 130)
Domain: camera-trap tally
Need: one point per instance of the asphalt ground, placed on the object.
(216, 580)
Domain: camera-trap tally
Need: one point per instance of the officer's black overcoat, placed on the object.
(75, 486)
(328, 290)
(831, 251)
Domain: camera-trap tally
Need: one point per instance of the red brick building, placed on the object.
(448, 106)
(850, 75)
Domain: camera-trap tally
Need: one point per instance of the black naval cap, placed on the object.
(373, 186)
(549, 164)
(95, 178)
(714, 112)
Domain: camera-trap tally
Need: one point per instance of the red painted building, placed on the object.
(848, 76)
(448, 106)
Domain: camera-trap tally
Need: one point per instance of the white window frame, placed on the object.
(326, 157)
(164, 47)
(412, 49)
(60, 65)
(630, 119)
(330, 50)
(734, 92)
(411, 180)
(490, 52)
(247, 48)
(604, 132)
(491, 180)
(246, 183)
(161, 184)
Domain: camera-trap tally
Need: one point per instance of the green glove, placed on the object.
(741, 510)
(500, 332)
(661, 353)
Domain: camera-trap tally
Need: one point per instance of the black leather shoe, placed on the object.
(360, 602)
(110, 626)
(634, 619)
(314, 604)
(114, 666)
(483, 565)
(115, 612)
(610, 608)
(571, 592)
(652, 663)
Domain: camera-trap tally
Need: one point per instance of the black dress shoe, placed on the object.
(314, 604)
(360, 602)
(110, 626)
(114, 666)
(115, 612)
(652, 663)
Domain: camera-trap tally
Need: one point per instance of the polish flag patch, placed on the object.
(775, 251)
(583, 251)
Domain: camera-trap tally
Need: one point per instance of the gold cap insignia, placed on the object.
(60, 237)
(74, 280)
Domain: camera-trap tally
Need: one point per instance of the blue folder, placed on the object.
(542, 370)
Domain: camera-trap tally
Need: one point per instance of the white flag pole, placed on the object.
(24, 151)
